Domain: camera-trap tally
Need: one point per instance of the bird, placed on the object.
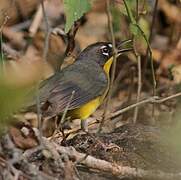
(82, 86)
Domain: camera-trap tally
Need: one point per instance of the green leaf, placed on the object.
(74, 9)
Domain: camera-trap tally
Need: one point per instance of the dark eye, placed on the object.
(105, 51)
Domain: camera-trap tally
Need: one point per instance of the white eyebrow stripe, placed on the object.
(110, 45)
(102, 47)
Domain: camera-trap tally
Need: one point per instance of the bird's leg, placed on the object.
(84, 125)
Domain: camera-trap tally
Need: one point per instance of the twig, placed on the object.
(133, 21)
(41, 13)
(150, 36)
(70, 36)
(154, 99)
(47, 31)
(138, 57)
(119, 112)
(45, 51)
(39, 115)
(137, 10)
(113, 65)
(147, 54)
(179, 43)
(1, 40)
(36, 21)
(139, 88)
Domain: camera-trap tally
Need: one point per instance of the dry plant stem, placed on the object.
(139, 88)
(113, 168)
(179, 43)
(1, 40)
(36, 21)
(47, 31)
(139, 70)
(2, 54)
(39, 117)
(154, 99)
(113, 66)
(149, 55)
(71, 42)
(137, 10)
(151, 35)
(45, 51)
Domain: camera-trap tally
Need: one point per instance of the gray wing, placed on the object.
(87, 81)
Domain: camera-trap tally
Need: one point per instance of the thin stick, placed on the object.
(1, 40)
(150, 54)
(113, 66)
(137, 10)
(150, 37)
(36, 21)
(70, 37)
(39, 117)
(47, 31)
(38, 103)
(139, 89)
(139, 70)
(154, 99)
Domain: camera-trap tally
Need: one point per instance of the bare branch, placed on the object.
(47, 31)
(113, 65)
(154, 99)
(70, 41)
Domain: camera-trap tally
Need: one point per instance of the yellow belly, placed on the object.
(85, 110)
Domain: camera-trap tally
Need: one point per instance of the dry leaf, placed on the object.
(23, 140)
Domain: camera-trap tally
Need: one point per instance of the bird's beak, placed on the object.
(124, 46)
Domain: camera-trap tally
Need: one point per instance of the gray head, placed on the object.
(99, 52)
